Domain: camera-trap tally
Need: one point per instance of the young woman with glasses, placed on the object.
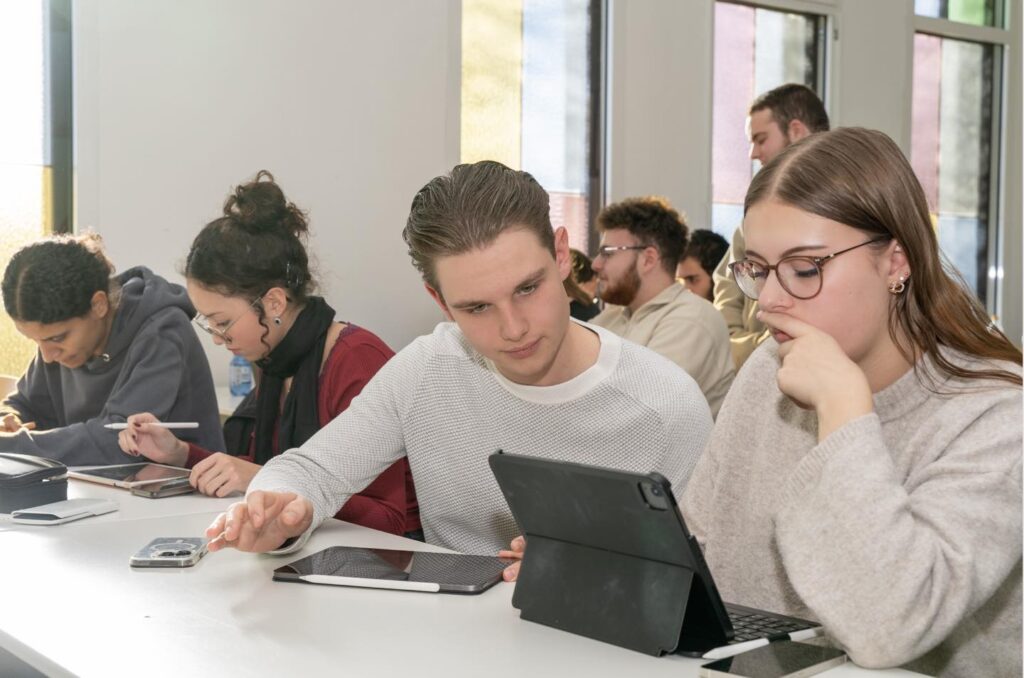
(108, 344)
(865, 469)
(248, 275)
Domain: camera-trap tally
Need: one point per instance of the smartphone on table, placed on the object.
(170, 552)
(780, 659)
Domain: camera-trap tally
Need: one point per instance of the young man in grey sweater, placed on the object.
(510, 372)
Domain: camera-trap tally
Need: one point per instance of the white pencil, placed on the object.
(161, 424)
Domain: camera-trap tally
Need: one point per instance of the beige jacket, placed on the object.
(745, 331)
(685, 329)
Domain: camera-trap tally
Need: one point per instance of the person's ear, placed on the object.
(275, 302)
(439, 300)
(649, 259)
(100, 304)
(898, 264)
(563, 257)
(797, 130)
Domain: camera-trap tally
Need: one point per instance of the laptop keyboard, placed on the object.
(751, 625)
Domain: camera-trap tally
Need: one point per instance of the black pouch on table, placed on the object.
(27, 480)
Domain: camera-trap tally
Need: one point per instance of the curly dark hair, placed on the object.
(653, 221)
(707, 247)
(257, 245)
(54, 280)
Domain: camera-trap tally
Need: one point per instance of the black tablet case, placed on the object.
(27, 481)
(604, 562)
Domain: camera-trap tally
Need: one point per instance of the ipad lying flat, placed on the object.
(128, 475)
(389, 569)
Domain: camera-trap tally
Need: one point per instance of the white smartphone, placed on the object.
(170, 552)
(60, 512)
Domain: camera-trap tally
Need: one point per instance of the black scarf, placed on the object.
(298, 356)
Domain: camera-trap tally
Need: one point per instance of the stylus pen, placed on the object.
(738, 648)
(161, 424)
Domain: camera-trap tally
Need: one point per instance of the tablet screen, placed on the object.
(453, 571)
(132, 473)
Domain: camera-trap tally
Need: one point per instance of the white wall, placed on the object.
(352, 105)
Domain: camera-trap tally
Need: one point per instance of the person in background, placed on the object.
(581, 286)
(510, 370)
(108, 345)
(702, 254)
(642, 240)
(865, 470)
(776, 119)
(248, 274)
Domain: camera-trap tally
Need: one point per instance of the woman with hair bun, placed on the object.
(249, 277)
(865, 469)
(108, 346)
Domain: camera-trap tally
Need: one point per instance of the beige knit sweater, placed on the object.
(900, 533)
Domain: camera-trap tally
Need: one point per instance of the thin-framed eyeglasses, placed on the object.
(204, 323)
(800, 276)
(608, 250)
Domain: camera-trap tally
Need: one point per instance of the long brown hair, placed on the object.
(860, 178)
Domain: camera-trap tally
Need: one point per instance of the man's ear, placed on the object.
(797, 130)
(439, 300)
(563, 258)
(100, 304)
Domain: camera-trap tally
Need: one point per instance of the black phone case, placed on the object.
(609, 559)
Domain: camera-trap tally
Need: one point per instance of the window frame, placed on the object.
(1001, 39)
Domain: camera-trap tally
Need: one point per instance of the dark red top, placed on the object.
(388, 503)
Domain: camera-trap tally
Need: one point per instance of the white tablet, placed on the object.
(128, 475)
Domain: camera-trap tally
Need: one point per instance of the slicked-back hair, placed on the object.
(468, 208)
(793, 102)
(54, 280)
(653, 222)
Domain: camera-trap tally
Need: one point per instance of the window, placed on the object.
(955, 135)
(530, 98)
(976, 12)
(755, 50)
(35, 139)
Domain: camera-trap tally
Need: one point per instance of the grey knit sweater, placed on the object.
(439, 402)
(900, 532)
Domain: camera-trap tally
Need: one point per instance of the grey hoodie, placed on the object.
(153, 362)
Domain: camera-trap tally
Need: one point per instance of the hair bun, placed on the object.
(260, 207)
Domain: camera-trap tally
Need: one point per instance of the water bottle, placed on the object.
(240, 376)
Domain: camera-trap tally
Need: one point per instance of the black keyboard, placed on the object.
(751, 624)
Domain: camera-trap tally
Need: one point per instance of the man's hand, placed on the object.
(263, 522)
(515, 552)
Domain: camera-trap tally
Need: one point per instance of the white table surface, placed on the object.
(72, 606)
(130, 507)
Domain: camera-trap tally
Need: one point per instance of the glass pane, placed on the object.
(977, 12)
(952, 146)
(526, 97)
(25, 178)
(755, 50)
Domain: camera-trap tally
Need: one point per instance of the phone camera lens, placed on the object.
(656, 491)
